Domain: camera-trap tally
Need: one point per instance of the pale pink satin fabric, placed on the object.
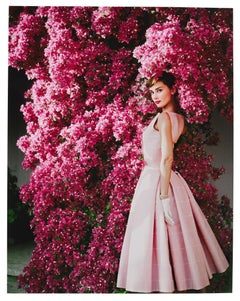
(157, 257)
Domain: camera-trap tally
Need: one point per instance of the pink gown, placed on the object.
(155, 256)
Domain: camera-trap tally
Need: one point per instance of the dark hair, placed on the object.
(165, 77)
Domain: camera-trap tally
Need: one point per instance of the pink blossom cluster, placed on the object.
(27, 41)
(85, 113)
(198, 53)
(121, 23)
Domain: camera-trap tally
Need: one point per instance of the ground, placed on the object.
(18, 257)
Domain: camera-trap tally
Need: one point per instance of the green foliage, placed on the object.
(19, 214)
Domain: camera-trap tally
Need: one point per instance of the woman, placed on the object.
(168, 245)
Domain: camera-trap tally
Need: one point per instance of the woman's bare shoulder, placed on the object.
(164, 121)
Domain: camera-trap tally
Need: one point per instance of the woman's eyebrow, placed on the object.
(158, 87)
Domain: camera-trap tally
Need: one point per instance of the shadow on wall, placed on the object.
(223, 155)
(17, 85)
(18, 216)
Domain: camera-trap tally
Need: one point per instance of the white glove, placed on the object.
(167, 211)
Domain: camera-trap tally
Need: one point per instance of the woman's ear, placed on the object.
(173, 90)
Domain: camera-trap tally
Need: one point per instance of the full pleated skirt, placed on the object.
(157, 257)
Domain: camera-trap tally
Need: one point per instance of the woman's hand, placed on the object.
(167, 211)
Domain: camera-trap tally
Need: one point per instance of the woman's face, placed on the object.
(162, 95)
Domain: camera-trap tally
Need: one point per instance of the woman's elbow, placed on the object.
(167, 161)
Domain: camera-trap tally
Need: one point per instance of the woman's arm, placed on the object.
(165, 129)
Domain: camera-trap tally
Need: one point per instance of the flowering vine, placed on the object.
(85, 113)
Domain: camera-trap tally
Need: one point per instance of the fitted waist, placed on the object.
(149, 166)
(157, 168)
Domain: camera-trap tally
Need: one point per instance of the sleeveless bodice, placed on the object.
(151, 144)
